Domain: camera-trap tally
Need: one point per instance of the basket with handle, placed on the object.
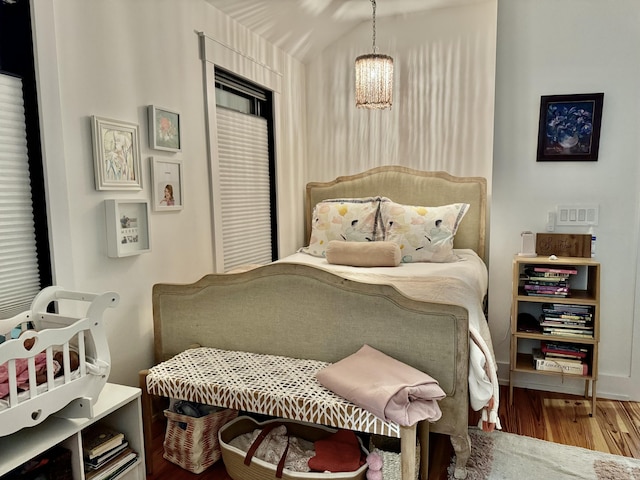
(238, 468)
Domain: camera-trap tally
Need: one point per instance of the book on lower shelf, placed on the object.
(114, 467)
(99, 461)
(569, 366)
(98, 439)
(569, 350)
(106, 452)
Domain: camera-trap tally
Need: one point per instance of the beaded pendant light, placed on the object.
(374, 76)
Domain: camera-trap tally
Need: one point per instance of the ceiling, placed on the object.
(304, 28)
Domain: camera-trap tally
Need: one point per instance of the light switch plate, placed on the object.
(577, 215)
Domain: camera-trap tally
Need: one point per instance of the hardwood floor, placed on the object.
(549, 416)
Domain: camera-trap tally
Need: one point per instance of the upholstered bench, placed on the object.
(271, 385)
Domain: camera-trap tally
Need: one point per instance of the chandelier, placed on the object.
(374, 76)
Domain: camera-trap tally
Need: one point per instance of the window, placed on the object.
(24, 246)
(246, 169)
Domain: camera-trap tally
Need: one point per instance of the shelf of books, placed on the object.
(108, 446)
(106, 452)
(555, 319)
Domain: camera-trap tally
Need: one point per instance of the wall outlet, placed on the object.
(551, 222)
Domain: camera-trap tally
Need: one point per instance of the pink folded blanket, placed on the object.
(386, 387)
(22, 373)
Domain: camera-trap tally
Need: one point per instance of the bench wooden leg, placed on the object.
(147, 421)
(408, 452)
(423, 435)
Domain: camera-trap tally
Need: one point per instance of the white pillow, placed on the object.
(347, 219)
(424, 234)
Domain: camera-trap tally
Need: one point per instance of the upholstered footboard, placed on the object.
(302, 311)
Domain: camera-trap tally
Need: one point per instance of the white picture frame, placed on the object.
(116, 154)
(167, 187)
(127, 223)
(164, 129)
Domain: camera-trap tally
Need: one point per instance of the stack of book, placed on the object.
(567, 320)
(106, 452)
(559, 357)
(545, 281)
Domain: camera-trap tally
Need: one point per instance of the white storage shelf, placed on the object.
(118, 405)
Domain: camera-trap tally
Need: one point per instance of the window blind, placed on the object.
(19, 275)
(243, 149)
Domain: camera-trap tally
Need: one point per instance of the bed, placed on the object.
(50, 361)
(419, 188)
(303, 307)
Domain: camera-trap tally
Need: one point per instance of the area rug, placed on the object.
(505, 456)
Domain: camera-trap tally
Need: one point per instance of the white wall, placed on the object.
(442, 114)
(548, 47)
(112, 59)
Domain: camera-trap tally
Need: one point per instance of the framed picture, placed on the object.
(127, 227)
(166, 184)
(164, 129)
(569, 127)
(116, 154)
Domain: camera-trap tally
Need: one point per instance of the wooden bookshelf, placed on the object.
(583, 292)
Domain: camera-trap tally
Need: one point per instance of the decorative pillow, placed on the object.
(349, 219)
(361, 254)
(424, 234)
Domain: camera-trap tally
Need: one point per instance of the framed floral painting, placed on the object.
(569, 127)
(116, 154)
(164, 129)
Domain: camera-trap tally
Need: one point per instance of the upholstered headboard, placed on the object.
(412, 187)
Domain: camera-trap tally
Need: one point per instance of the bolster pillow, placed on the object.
(363, 254)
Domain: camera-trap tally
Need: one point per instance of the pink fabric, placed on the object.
(22, 373)
(388, 388)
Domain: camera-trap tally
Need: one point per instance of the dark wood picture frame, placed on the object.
(569, 128)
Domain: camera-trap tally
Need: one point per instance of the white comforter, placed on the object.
(461, 283)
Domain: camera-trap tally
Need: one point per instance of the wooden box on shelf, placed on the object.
(555, 319)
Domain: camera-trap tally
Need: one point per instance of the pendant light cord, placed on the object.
(373, 6)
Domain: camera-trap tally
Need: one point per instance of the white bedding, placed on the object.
(461, 283)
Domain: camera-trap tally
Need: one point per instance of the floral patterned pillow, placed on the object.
(424, 234)
(348, 219)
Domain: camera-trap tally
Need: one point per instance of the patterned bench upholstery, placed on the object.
(272, 385)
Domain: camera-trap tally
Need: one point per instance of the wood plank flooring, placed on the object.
(549, 416)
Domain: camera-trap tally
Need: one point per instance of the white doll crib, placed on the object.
(23, 360)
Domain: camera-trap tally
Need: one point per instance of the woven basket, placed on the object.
(233, 457)
(192, 443)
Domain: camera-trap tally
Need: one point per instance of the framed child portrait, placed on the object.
(166, 184)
